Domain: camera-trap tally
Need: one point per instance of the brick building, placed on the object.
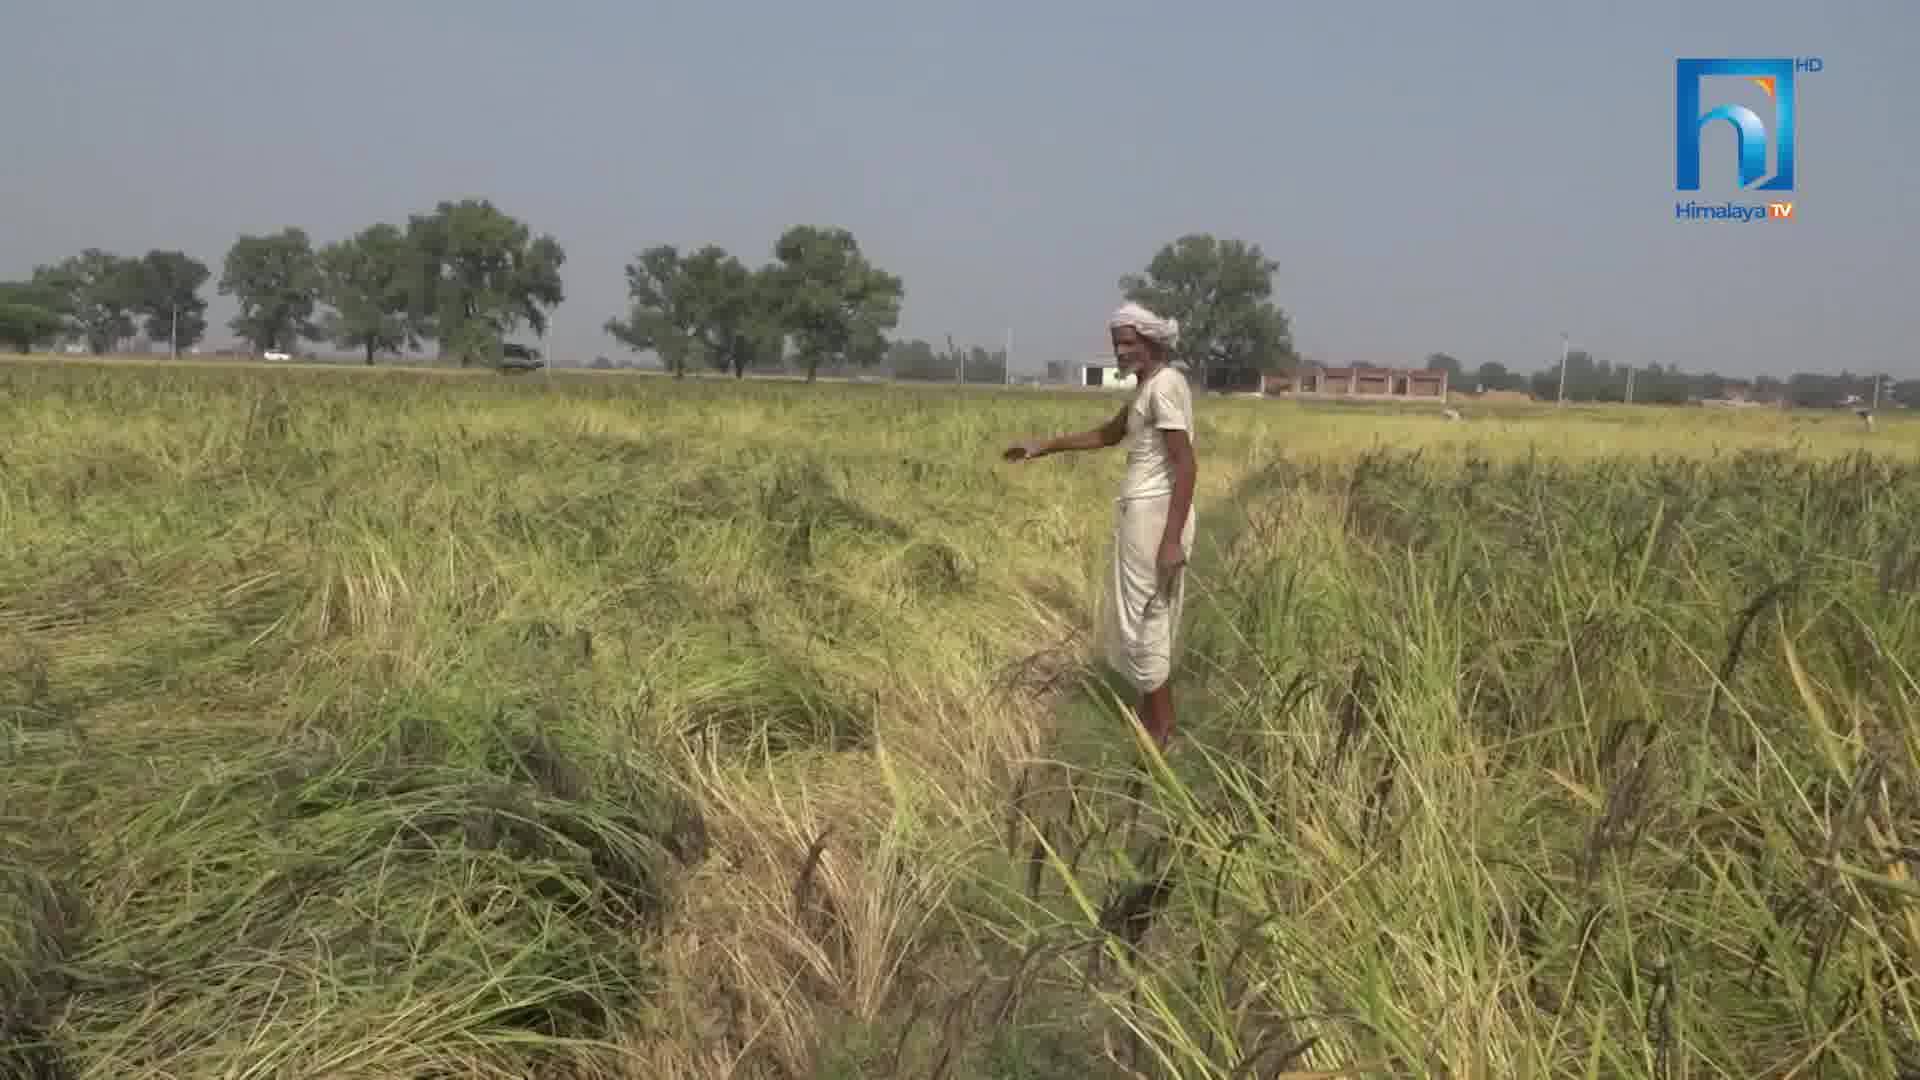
(1360, 381)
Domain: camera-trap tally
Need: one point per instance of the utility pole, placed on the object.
(1629, 385)
(959, 363)
(173, 335)
(1006, 361)
(1563, 369)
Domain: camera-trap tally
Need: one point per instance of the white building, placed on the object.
(1104, 373)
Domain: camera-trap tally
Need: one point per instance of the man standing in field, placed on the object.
(1153, 523)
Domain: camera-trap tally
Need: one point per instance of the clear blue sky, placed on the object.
(1468, 177)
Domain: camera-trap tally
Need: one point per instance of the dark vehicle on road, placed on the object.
(518, 359)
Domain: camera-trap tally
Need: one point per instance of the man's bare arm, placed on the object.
(1186, 471)
(1107, 434)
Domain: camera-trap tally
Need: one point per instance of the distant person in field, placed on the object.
(1153, 519)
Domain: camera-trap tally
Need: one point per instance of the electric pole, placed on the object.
(1562, 401)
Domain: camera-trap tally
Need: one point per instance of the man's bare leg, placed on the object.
(1156, 714)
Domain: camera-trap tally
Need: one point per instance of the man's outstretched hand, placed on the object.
(1025, 451)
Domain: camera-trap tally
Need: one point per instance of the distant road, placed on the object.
(449, 369)
(454, 371)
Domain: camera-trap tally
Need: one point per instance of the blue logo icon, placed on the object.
(1775, 77)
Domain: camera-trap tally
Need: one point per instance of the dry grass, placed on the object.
(398, 725)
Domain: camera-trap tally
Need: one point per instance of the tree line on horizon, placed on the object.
(465, 276)
(462, 276)
(1596, 379)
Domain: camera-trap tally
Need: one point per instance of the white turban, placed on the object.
(1148, 325)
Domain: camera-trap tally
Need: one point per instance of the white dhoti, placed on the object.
(1140, 622)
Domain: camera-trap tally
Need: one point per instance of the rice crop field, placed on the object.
(392, 724)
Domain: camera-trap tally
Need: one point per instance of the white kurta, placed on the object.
(1140, 622)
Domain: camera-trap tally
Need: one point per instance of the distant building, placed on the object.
(1103, 373)
(1360, 381)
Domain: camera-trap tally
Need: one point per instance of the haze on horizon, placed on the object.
(1471, 178)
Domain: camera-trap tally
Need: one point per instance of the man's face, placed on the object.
(1131, 351)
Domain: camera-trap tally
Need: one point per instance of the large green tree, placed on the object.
(480, 275)
(366, 282)
(836, 304)
(663, 315)
(985, 365)
(96, 291)
(276, 279)
(1221, 291)
(1494, 375)
(1584, 379)
(166, 290)
(916, 360)
(746, 327)
(701, 308)
(29, 315)
(46, 290)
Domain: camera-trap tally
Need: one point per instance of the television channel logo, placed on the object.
(1755, 139)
